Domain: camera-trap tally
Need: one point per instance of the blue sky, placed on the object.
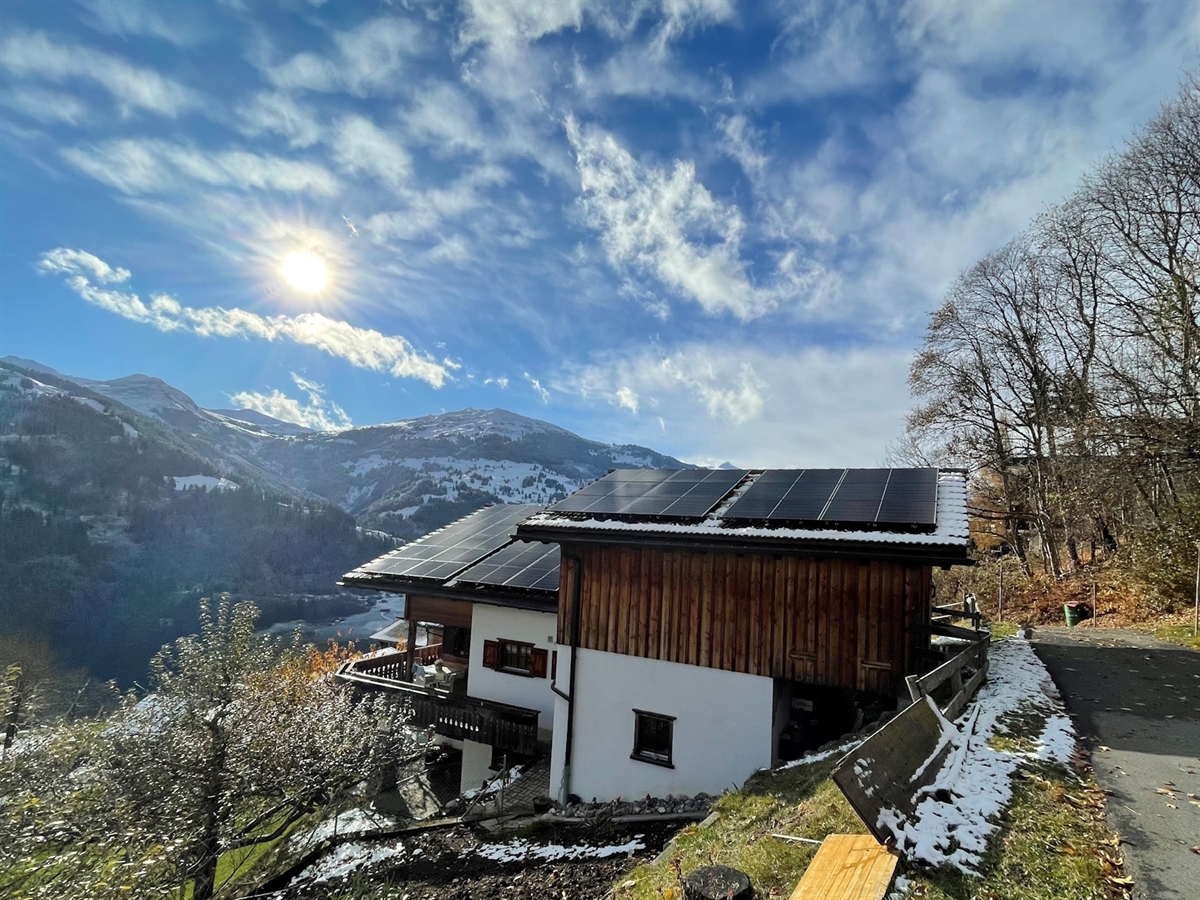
(713, 228)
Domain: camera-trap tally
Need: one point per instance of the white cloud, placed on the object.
(755, 406)
(681, 17)
(319, 414)
(444, 118)
(362, 147)
(361, 347)
(500, 381)
(507, 27)
(627, 399)
(270, 112)
(175, 23)
(36, 55)
(154, 166)
(666, 223)
(47, 106)
(743, 144)
(537, 387)
(370, 59)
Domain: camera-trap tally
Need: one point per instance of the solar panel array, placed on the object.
(528, 565)
(878, 498)
(444, 553)
(667, 493)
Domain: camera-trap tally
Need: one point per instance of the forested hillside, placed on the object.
(1065, 368)
(105, 556)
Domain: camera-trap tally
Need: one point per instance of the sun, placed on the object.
(305, 271)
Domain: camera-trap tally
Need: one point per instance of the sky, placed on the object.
(712, 228)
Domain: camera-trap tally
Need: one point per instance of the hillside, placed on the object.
(122, 502)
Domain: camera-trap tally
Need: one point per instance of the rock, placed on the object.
(717, 883)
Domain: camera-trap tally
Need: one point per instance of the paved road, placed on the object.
(1136, 704)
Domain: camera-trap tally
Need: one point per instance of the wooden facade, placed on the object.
(841, 622)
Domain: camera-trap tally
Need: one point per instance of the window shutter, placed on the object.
(491, 654)
(537, 663)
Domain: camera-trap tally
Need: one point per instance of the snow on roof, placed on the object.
(951, 529)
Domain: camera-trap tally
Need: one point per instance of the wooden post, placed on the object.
(1196, 613)
(1000, 592)
(1095, 614)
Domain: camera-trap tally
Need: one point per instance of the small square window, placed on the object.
(653, 736)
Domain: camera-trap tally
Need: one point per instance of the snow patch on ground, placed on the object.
(352, 821)
(345, 860)
(809, 758)
(960, 811)
(523, 851)
(205, 482)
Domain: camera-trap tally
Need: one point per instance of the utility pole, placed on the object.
(1196, 614)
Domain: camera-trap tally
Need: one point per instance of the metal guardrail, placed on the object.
(974, 655)
(512, 728)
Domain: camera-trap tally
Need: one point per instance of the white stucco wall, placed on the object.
(494, 622)
(722, 729)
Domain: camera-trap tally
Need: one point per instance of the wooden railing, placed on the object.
(512, 728)
(973, 655)
(943, 613)
(428, 654)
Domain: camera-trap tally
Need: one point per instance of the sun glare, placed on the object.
(305, 271)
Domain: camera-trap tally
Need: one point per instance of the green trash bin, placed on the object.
(1075, 613)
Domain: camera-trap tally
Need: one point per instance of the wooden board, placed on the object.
(816, 620)
(848, 867)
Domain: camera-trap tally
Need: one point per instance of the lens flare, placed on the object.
(305, 271)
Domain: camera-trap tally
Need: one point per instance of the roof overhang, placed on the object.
(489, 595)
(889, 551)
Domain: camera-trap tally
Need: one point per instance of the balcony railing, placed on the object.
(512, 728)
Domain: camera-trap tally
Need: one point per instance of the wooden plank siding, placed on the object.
(829, 621)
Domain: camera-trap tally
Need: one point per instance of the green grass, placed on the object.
(1002, 629)
(1180, 634)
(1053, 846)
(802, 802)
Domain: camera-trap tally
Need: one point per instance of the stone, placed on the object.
(717, 883)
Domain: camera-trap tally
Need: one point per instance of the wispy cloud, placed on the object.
(368, 60)
(270, 112)
(156, 166)
(176, 23)
(361, 347)
(666, 223)
(537, 387)
(362, 147)
(34, 55)
(318, 413)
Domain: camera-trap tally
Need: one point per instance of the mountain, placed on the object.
(123, 502)
(405, 478)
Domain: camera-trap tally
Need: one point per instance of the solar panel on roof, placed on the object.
(451, 549)
(681, 493)
(904, 498)
(522, 564)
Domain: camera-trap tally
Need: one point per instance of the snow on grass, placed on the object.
(521, 850)
(492, 786)
(352, 821)
(810, 758)
(959, 812)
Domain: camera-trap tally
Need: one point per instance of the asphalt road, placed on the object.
(1136, 704)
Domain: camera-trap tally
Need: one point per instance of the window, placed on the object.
(653, 735)
(515, 657)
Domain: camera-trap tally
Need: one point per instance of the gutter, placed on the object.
(569, 743)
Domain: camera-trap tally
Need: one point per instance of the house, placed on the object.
(712, 622)
(489, 605)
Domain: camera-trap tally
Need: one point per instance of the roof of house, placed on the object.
(936, 503)
(475, 558)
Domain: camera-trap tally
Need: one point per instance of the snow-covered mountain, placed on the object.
(404, 477)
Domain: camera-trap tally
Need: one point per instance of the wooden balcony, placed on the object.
(457, 716)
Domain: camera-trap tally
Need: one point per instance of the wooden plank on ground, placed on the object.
(848, 867)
